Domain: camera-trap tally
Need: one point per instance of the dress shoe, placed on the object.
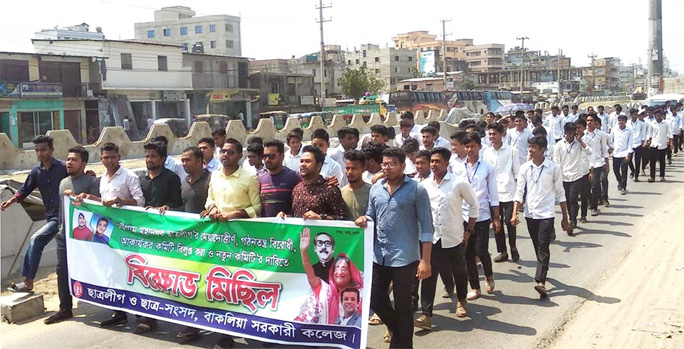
(502, 257)
(59, 316)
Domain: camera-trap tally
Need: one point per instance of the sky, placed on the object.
(281, 29)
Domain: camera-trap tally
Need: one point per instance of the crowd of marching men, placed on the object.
(433, 201)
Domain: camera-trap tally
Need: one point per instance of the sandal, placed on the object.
(20, 287)
(145, 325)
(188, 333)
(388, 337)
(375, 320)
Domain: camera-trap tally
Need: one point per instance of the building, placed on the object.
(139, 79)
(216, 34)
(290, 92)
(485, 58)
(604, 74)
(80, 31)
(389, 64)
(422, 41)
(41, 92)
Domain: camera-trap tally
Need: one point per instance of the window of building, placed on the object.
(396, 58)
(198, 29)
(314, 72)
(199, 67)
(184, 30)
(212, 28)
(223, 67)
(349, 62)
(364, 63)
(184, 46)
(167, 32)
(230, 43)
(377, 71)
(162, 63)
(212, 43)
(364, 53)
(126, 61)
(229, 28)
(396, 69)
(357, 62)
(377, 59)
(410, 59)
(150, 34)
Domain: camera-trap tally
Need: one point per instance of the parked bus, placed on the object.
(418, 100)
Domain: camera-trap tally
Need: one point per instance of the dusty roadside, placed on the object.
(649, 283)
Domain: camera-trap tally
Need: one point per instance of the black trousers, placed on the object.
(635, 161)
(675, 141)
(596, 187)
(659, 156)
(541, 232)
(646, 154)
(572, 191)
(620, 171)
(604, 185)
(63, 287)
(454, 258)
(585, 193)
(398, 318)
(478, 245)
(505, 215)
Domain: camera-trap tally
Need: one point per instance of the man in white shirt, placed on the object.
(405, 127)
(207, 147)
(506, 164)
(458, 150)
(598, 160)
(439, 141)
(219, 137)
(604, 176)
(294, 154)
(613, 119)
(676, 127)
(447, 193)
(550, 138)
(373, 153)
(568, 155)
(567, 117)
(482, 177)
(349, 140)
(605, 119)
(556, 122)
(574, 115)
(585, 168)
(659, 140)
(542, 180)
(623, 142)
(517, 137)
(321, 140)
(639, 133)
(429, 135)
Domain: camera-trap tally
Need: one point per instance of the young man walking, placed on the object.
(623, 140)
(659, 140)
(598, 160)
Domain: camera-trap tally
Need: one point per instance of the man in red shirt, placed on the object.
(82, 232)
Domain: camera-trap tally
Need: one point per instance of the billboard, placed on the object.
(428, 63)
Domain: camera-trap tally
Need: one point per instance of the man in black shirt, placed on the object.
(160, 186)
(195, 187)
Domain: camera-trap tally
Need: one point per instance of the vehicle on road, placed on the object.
(178, 126)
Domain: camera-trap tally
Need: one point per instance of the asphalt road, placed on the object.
(512, 317)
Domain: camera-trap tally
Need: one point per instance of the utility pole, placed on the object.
(522, 62)
(558, 62)
(655, 46)
(444, 50)
(593, 73)
(321, 57)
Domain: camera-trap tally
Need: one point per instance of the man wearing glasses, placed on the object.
(277, 182)
(324, 245)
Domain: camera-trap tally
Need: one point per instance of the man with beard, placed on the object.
(324, 245)
(160, 186)
(75, 184)
(277, 182)
(45, 176)
(313, 198)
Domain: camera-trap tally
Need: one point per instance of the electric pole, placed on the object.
(321, 59)
(522, 62)
(655, 46)
(444, 51)
(593, 76)
(558, 61)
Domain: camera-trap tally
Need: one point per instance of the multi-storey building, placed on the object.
(484, 58)
(389, 64)
(604, 74)
(422, 41)
(80, 31)
(216, 34)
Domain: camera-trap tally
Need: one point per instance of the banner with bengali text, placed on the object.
(247, 278)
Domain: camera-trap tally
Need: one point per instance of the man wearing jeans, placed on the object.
(400, 208)
(623, 149)
(46, 177)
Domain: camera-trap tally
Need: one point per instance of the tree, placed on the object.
(356, 82)
(467, 85)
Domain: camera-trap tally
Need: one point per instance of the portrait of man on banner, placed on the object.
(81, 231)
(103, 229)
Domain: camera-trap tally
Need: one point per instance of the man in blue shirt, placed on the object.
(46, 177)
(400, 210)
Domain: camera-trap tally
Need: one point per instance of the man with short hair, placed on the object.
(574, 115)
(556, 122)
(380, 134)
(458, 151)
(400, 209)
(482, 178)
(294, 154)
(585, 169)
(422, 166)
(160, 186)
(623, 148)
(405, 127)
(429, 135)
(598, 160)
(639, 134)
(440, 141)
(447, 193)
(605, 120)
(255, 155)
(350, 299)
(195, 188)
(277, 181)
(355, 194)
(321, 140)
(568, 155)
(349, 140)
(517, 137)
(313, 198)
(208, 148)
(45, 176)
(76, 183)
(659, 140)
(324, 246)
(170, 163)
(505, 162)
(542, 180)
(373, 154)
(219, 137)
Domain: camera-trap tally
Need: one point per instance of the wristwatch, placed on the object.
(323, 216)
(117, 201)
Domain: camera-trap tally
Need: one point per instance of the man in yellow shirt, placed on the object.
(233, 192)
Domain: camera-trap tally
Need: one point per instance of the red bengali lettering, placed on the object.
(241, 287)
(169, 281)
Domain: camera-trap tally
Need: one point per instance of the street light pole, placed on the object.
(522, 62)
(321, 59)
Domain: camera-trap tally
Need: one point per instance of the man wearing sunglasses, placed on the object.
(277, 181)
